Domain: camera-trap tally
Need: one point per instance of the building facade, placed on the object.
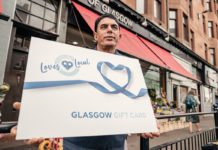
(167, 46)
(192, 23)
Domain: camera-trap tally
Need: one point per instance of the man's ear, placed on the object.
(95, 34)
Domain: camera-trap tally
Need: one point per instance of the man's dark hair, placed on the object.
(102, 17)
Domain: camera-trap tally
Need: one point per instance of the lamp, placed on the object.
(167, 38)
(144, 23)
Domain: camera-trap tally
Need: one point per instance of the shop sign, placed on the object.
(107, 9)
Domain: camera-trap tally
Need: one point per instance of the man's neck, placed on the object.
(106, 49)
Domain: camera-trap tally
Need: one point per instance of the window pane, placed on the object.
(18, 41)
(185, 28)
(23, 4)
(36, 22)
(173, 14)
(51, 4)
(21, 16)
(172, 24)
(49, 26)
(41, 2)
(210, 29)
(37, 10)
(140, 5)
(50, 15)
(157, 9)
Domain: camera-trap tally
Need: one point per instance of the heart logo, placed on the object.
(67, 64)
(109, 79)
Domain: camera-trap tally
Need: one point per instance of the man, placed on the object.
(107, 35)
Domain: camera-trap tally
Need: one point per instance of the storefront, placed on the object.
(209, 88)
(72, 22)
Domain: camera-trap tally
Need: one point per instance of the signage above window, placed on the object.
(107, 9)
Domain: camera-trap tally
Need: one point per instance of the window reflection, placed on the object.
(51, 5)
(48, 26)
(37, 10)
(23, 4)
(36, 22)
(21, 16)
(42, 2)
(41, 14)
(50, 15)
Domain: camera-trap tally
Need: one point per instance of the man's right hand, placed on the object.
(12, 135)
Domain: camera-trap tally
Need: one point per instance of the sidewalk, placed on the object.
(133, 141)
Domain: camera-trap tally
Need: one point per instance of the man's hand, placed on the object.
(8, 136)
(152, 134)
(11, 136)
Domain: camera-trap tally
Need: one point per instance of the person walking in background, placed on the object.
(191, 102)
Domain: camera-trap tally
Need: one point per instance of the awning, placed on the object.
(129, 42)
(168, 59)
(139, 47)
(1, 11)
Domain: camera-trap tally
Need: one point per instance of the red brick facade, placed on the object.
(197, 22)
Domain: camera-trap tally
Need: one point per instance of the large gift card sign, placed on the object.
(71, 91)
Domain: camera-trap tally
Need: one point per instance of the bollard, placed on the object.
(144, 143)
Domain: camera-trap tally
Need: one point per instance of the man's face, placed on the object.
(108, 34)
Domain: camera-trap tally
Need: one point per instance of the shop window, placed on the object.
(173, 22)
(210, 29)
(79, 38)
(194, 71)
(41, 14)
(183, 93)
(212, 56)
(21, 41)
(152, 80)
(185, 27)
(192, 40)
(157, 9)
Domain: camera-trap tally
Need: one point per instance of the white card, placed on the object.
(71, 91)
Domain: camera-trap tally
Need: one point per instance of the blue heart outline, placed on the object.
(117, 88)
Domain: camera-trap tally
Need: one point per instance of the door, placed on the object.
(175, 96)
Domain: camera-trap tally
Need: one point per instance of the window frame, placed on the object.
(158, 9)
(212, 56)
(45, 19)
(192, 39)
(174, 21)
(185, 27)
(210, 29)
